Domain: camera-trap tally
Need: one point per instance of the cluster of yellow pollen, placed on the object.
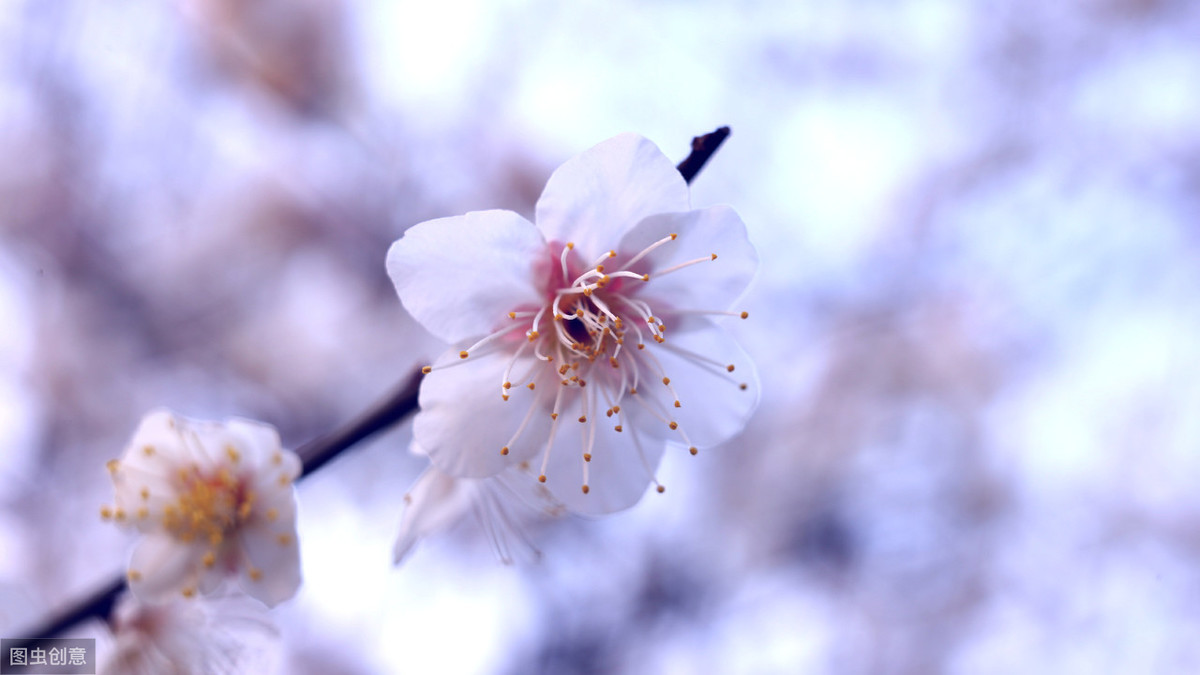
(206, 506)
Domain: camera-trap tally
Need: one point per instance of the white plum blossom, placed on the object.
(584, 345)
(224, 634)
(212, 500)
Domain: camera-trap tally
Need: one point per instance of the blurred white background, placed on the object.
(977, 319)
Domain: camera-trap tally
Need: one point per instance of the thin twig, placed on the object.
(703, 148)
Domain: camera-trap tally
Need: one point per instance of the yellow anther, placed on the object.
(570, 245)
(272, 515)
(463, 354)
(729, 367)
(743, 386)
(618, 427)
(586, 489)
(210, 559)
(143, 512)
(284, 480)
(579, 312)
(645, 277)
(641, 345)
(542, 478)
(233, 454)
(189, 592)
(425, 370)
(112, 465)
(133, 575)
(714, 256)
(660, 489)
(553, 416)
(284, 539)
(745, 315)
(600, 268)
(507, 385)
(616, 408)
(119, 514)
(105, 512)
(666, 380)
(673, 236)
(633, 391)
(504, 450)
(587, 456)
(145, 492)
(148, 450)
(533, 335)
(255, 574)
(531, 386)
(582, 419)
(693, 450)
(277, 458)
(512, 315)
(673, 425)
(678, 404)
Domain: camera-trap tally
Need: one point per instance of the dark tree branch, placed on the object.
(383, 415)
(703, 148)
(316, 453)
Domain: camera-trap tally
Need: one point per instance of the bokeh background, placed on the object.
(977, 319)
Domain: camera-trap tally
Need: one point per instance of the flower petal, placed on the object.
(460, 276)
(435, 503)
(622, 465)
(594, 198)
(464, 422)
(162, 566)
(258, 443)
(277, 562)
(713, 406)
(713, 284)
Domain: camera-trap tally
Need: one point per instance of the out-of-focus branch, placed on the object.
(703, 148)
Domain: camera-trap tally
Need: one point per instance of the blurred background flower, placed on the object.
(976, 318)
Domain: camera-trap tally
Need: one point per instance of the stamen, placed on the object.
(676, 268)
(553, 431)
(521, 428)
(646, 251)
(498, 334)
(563, 259)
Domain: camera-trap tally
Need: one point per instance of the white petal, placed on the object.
(464, 422)
(713, 407)
(435, 503)
(709, 285)
(163, 566)
(594, 198)
(258, 443)
(460, 276)
(617, 475)
(278, 562)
